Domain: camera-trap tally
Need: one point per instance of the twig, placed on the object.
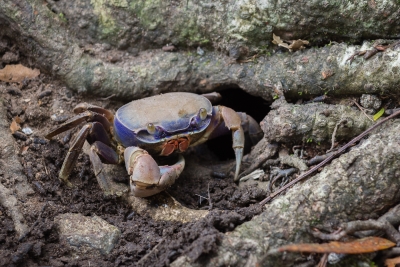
(356, 226)
(106, 98)
(334, 134)
(141, 262)
(323, 261)
(328, 159)
(362, 110)
(201, 197)
(209, 198)
(45, 168)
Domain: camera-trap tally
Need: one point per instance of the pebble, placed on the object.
(86, 234)
(61, 118)
(44, 93)
(20, 136)
(370, 101)
(200, 51)
(27, 131)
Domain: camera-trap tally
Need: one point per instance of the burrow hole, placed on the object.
(238, 100)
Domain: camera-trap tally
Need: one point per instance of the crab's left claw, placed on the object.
(146, 177)
(233, 122)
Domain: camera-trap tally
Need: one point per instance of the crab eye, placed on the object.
(151, 129)
(203, 114)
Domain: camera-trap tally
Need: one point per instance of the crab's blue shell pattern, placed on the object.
(173, 114)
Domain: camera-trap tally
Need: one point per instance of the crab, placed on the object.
(160, 125)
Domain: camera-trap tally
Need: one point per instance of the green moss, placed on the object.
(62, 17)
(149, 12)
(190, 31)
(103, 9)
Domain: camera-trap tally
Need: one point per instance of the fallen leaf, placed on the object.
(14, 126)
(392, 262)
(24, 150)
(17, 119)
(379, 114)
(298, 45)
(327, 74)
(363, 245)
(276, 39)
(293, 46)
(17, 73)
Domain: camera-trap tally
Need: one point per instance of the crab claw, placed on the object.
(147, 178)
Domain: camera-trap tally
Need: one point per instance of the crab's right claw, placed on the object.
(146, 177)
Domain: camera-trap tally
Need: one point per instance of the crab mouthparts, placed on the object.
(180, 144)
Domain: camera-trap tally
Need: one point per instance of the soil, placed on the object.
(42, 104)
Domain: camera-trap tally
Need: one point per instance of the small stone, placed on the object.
(61, 118)
(27, 131)
(87, 234)
(44, 93)
(234, 52)
(20, 136)
(370, 101)
(9, 57)
(14, 91)
(200, 51)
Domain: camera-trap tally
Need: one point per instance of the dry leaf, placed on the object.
(298, 45)
(293, 46)
(17, 73)
(14, 126)
(327, 74)
(24, 150)
(392, 262)
(276, 39)
(17, 119)
(363, 245)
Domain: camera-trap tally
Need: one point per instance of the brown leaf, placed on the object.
(392, 262)
(294, 45)
(17, 119)
(326, 74)
(17, 73)
(24, 150)
(276, 39)
(14, 126)
(298, 45)
(363, 245)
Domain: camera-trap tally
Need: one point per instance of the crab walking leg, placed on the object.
(93, 131)
(73, 153)
(82, 107)
(86, 116)
(110, 156)
(147, 178)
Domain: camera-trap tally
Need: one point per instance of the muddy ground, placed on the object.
(42, 104)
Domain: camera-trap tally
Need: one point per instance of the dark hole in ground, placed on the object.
(238, 100)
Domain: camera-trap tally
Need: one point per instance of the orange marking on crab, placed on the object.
(180, 144)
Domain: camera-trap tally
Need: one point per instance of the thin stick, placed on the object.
(334, 134)
(362, 110)
(328, 159)
(107, 98)
(210, 205)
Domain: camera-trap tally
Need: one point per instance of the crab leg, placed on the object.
(88, 131)
(82, 107)
(147, 178)
(99, 150)
(224, 118)
(73, 153)
(78, 119)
